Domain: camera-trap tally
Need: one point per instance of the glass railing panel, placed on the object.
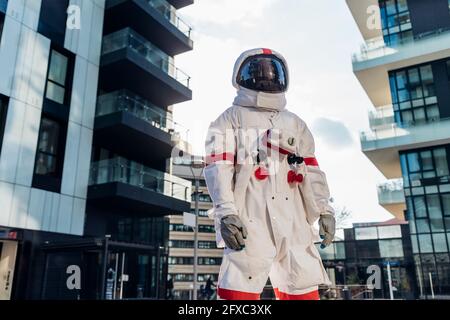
(128, 38)
(129, 172)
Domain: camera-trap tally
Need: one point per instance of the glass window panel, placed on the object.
(58, 68)
(434, 206)
(403, 95)
(386, 232)
(427, 160)
(444, 187)
(431, 189)
(391, 248)
(414, 78)
(419, 115)
(401, 80)
(415, 245)
(49, 134)
(366, 233)
(440, 158)
(426, 73)
(391, 7)
(402, 5)
(440, 242)
(431, 100)
(417, 191)
(422, 226)
(418, 103)
(413, 162)
(433, 113)
(339, 248)
(327, 253)
(405, 105)
(437, 225)
(425, 243)
(55, 92)
(446, 204)
(407, 117)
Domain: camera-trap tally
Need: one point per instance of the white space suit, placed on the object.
(248, 175)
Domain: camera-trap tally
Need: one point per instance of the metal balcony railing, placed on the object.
(128, 38)
(125, 100)
(132, 173)
(170, 13)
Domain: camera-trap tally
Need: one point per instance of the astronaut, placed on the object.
(267, 188)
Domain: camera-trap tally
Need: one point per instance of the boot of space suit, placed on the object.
(267, 188)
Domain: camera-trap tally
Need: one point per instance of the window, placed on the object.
(206, 228)
(207, 245)
(3, 112)
(205, 277)
(180, 228)
(440, 242)
(366, 233)
(396, 21)
(49, 155)
(181, 260)
(186, 244)
(387, 232)
(414, 95)
(425, 243)
(52, 20)
(57, 79)
(391, 248)
(211, 261)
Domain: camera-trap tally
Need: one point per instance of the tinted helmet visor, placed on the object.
(265, 73)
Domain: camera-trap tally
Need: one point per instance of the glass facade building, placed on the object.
(427, 192)
(350, 262)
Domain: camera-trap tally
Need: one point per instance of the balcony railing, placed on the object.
(376, 47)
(125, 100)
(394, 130)
(391, 192)
(170, 13)
(128, 38)
(381, 117)
(132, 173)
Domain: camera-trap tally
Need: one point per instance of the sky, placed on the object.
(317, 37)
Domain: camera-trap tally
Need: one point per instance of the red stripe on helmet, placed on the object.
(267, 51)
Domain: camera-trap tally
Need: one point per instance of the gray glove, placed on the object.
(233, 232)
(327, 229)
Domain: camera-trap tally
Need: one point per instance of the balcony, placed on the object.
(156, 20)
(122, 185)
(178, 4)
(392, 198)
(372, 64)
(149, 71)
(124, 120)
(382, 145)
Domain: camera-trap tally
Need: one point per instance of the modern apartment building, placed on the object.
(404, 67)
(181, 243)
(382, 249)
(85, 144)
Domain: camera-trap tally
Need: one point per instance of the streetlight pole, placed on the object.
(198, 165)
(197, 184)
